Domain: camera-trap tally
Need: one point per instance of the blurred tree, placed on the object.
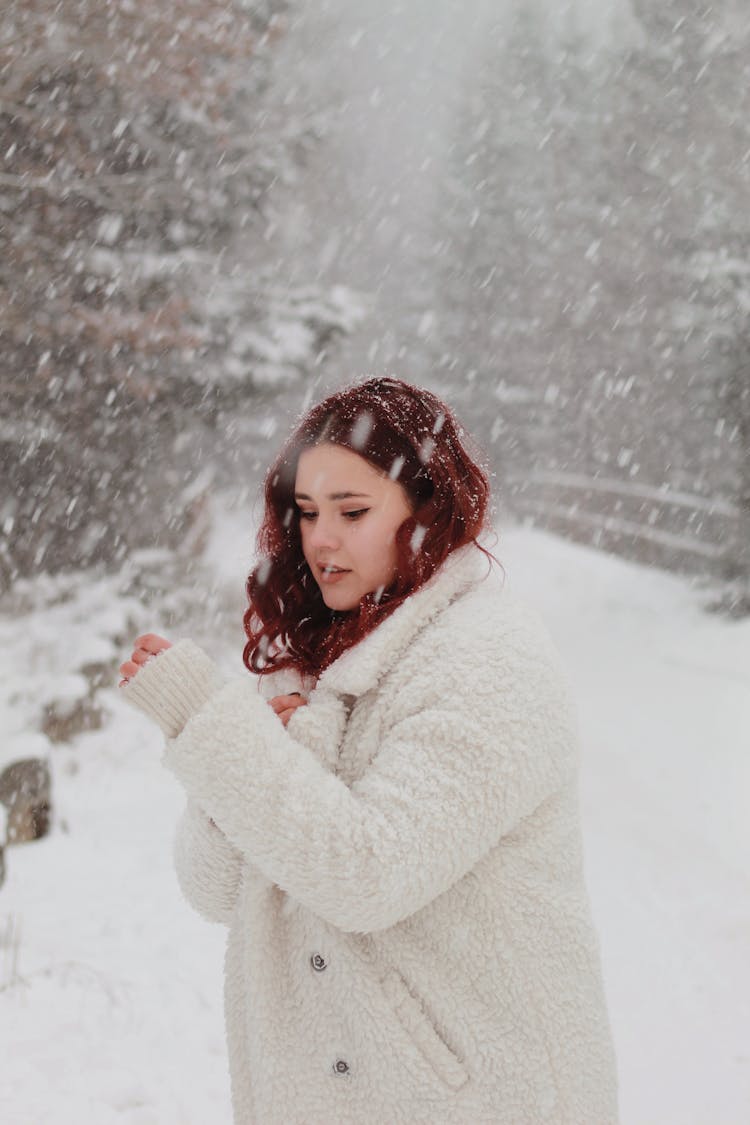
(599, 158)
(127, 164)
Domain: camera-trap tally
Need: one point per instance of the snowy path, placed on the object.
(110, 998)
(664, 696)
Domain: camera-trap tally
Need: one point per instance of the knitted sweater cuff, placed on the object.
(173, 686)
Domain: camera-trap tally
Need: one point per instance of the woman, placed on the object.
(394, 841)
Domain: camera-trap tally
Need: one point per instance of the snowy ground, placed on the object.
(110, 987)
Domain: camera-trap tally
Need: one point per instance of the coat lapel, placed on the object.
(362, 667)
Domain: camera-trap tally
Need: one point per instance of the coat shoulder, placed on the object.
(491, 650)
(487, 626)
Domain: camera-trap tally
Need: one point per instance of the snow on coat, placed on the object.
(400, 870)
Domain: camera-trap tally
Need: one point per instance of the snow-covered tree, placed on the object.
(598, 157)
(135, 188)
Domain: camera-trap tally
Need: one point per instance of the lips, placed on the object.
(330, 573)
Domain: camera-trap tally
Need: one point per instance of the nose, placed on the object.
(322, 534)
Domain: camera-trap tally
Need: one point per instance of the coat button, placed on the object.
(318, 962)
(341, 1066)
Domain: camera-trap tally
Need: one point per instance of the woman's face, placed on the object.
(349, 514)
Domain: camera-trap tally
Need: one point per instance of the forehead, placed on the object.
(327, 468)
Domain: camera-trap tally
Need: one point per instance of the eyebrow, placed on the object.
(335, 496)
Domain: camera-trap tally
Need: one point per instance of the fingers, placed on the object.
(286, 705)
(282, 702)
(152, 643)
(145, 648)
(128, 670)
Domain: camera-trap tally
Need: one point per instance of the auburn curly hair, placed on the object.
(408, 434)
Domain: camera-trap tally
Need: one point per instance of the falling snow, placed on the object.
(212, 213)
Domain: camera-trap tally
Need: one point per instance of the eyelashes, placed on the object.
(352, 516)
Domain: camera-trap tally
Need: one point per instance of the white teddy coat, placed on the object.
(400, 870)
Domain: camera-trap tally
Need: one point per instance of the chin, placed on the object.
(341, 605)
(339, 601)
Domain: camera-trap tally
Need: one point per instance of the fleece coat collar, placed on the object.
(360, 668)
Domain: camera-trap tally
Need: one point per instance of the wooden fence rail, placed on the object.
(654, 524)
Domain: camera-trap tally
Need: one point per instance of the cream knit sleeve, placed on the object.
(174, 686)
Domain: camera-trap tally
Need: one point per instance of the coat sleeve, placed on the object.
(474, 745)
(208, 866)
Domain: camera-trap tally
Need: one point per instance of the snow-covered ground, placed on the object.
(110, 987)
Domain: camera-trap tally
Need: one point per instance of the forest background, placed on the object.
(540, 210)
(212, 212)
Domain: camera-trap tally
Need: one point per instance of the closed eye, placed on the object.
(308, 514)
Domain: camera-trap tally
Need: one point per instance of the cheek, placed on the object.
(381, 549)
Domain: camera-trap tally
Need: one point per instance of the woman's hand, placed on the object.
(286, 705)
(145, 648)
